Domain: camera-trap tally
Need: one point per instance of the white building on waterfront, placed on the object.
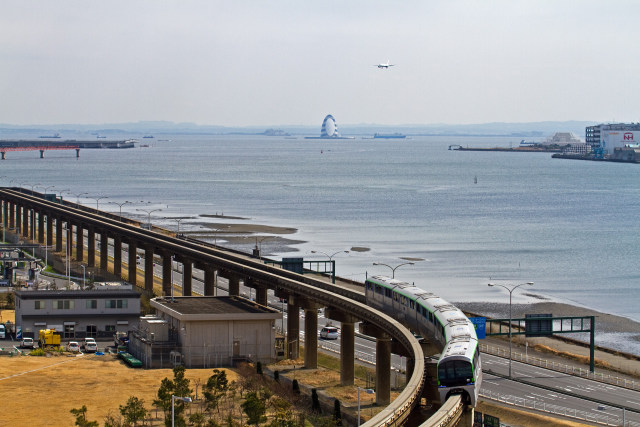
(605, 138)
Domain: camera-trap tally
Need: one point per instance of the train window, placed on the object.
(412, 304)
(395, 297)
(379, 289)
(369, 285)
(431, 317)
(387, 293)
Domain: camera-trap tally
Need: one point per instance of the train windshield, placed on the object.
(455, 373)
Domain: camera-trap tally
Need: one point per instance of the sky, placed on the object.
(240, 63)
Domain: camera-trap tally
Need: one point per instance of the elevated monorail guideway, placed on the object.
(234, 267)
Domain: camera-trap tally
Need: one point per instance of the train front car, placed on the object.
(459, 367)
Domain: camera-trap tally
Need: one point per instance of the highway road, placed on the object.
(545, 389)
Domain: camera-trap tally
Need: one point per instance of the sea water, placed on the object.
(466, 218)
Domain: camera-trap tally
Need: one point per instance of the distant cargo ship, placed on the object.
(389, 136)
(55, 135)
(148, 136)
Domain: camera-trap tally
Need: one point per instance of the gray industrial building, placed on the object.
(99, 312)
(205, 332)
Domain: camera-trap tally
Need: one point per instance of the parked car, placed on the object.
(89, 340)
(27, 343)
(329, 333)
(90, 347)
(73, 347)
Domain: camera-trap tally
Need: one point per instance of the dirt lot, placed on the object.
(41, 390)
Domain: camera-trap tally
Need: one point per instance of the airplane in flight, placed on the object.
(384, 65)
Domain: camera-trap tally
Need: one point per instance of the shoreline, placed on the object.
(609, 327)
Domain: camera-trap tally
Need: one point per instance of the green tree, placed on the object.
(255, 408)
(133, 411)
(179, 386)
(215, 389)
(197, 419)
(81, 417)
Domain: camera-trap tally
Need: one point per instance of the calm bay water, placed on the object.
(569, 226)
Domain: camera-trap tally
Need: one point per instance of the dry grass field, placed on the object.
(40, 391)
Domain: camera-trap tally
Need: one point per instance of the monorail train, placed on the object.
(427, 315)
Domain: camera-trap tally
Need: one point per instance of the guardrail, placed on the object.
(602, 419)
(561, 367)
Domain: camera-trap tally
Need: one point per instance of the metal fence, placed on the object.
(561, 367)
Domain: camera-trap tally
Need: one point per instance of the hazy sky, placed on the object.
(292, 62)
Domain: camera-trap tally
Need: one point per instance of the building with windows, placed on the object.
(605, 138)
(98, 312)
(205, 332)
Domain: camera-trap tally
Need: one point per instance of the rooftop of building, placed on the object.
(210, 307)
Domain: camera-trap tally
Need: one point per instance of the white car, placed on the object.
(87, 341)
(27, 343)
(90, 347)
(329, 333)
(73, 347)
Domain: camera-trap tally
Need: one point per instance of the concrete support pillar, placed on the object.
(383, 371)
(12, 215)
(40, 227)
(49, 239)
(187, 277)
(293, 328)
(167, 273)
(25, 222)
(261, 294)
(117, 256)
(80, 243)
(148, 268)
(347, 353)
(104, 250)
(209, 281)
(5, 213)
(347, 343)
(91, 247)
(234, 286)
(311, 338)
(59, 235)
(133, 264)
(69, 237)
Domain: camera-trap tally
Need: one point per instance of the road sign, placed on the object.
(480, 323)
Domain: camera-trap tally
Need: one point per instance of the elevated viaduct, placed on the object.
(55, 222)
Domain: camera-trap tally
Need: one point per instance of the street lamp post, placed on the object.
(329, 256)
(97, 199)
(84, 276)
(149, 212)
(121, 205)
(47, 188)
(333, 263)
(393, 269)
(368, 391)
(173, 402)
(78, 197)
(510, 289)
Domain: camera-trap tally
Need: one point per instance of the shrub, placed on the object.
(36, 352)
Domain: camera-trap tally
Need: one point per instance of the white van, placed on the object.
(3, 332)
